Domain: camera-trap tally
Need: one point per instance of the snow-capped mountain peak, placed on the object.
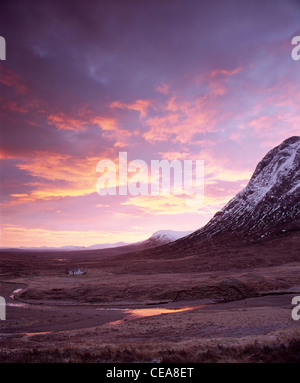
(168, 235)
(270, 200)
(277, 166)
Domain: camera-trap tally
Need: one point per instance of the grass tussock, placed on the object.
(218, 353)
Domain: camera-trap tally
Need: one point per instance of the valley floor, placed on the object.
(243, 316)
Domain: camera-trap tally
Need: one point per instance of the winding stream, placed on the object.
(129, 314)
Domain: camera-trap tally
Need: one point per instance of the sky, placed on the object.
(159, 80)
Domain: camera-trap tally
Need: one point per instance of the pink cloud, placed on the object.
(63, 122)
(140, 106)
(13, 80)
(224, 72)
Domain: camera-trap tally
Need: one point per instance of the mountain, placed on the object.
(163, 237)
(157, 239)
(269, 204)
(268, 207)
(259, 227)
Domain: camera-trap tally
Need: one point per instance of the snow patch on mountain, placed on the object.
(168, 235)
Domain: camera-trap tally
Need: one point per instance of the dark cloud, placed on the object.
(94, 50)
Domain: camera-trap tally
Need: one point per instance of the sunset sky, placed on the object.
(168, 79)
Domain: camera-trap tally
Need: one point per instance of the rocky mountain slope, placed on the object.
(269, 204)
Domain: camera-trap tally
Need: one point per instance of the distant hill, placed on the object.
(159, 238)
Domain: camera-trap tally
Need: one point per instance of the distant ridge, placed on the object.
(159, 238)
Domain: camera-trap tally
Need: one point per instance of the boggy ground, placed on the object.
(245, 312)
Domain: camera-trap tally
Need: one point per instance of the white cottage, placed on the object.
(76, 272)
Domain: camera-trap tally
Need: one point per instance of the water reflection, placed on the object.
(36, 333)
(142, 313)
(22, 305)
